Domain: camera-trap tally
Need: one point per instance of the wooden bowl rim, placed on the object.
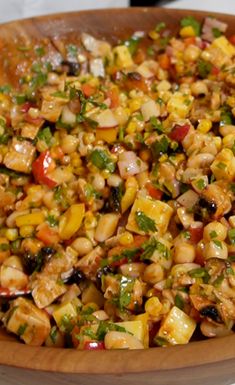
(194, 354)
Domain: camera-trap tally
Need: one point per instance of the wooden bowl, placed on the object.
(208, 362)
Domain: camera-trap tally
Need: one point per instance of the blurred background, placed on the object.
(15, 9)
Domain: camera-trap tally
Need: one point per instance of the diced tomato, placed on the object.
(153, 191)
(88, 90)
(26, 106)
(113, 95)
(215, 70)
(232, 39)
(179, 132)
(36, 121)
(94, 345)
(203, 44)
(41, 166)
(196, 234)
(199, 255)
(189, 40)
(164, 61)
(75, 335)
(47, 235)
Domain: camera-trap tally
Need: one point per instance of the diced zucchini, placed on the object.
(158, 211)
(66, 309)
(137, 328)
(31, 324)
(177, 328)
(92, 294)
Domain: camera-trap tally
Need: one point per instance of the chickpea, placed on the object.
(215, 249)
(153, 273)
(191, 53)
(98, 182)
(82, 245)
(121, 340)
(215, 230)
(184, 253)
(199, 88)
(114, 180)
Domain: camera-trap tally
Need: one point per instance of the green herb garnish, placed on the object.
(192, 22)
(144, 222)
(101, 160)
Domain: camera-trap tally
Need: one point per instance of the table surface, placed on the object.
(15, 9)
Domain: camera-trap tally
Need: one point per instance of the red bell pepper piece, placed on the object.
(196, 234)
(94, 345)
(232, 39)
(179, 132)
(153, 191)
(41, 166)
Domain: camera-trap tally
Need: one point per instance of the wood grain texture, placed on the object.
(204, 362)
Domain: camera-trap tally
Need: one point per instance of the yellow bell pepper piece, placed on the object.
(71, 220)
(33, 219)
(109, 135)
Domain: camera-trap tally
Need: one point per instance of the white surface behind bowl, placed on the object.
(16, 9)
(225, 6)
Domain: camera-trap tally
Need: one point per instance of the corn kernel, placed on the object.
(131, 127)
(230, 101)
(26, 231)
(153, 306)
(126, 239)
(75, 159)
(134, 104)
(11, 234)
(218, 142)
(232, 220)
(228, 140)
(187, 31)
(154, 35)
(90, 221)
(204, 126)
(163, 158)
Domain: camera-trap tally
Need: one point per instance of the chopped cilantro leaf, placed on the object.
(144, 222)
(22, 329)
(204, 68)
(216, 32)
(179, 302)
(132, 44)
(160, 26)
(160, 147)
(101, 160)
(45, 135)
(157, 125)
(201, 184)
(231, 236)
